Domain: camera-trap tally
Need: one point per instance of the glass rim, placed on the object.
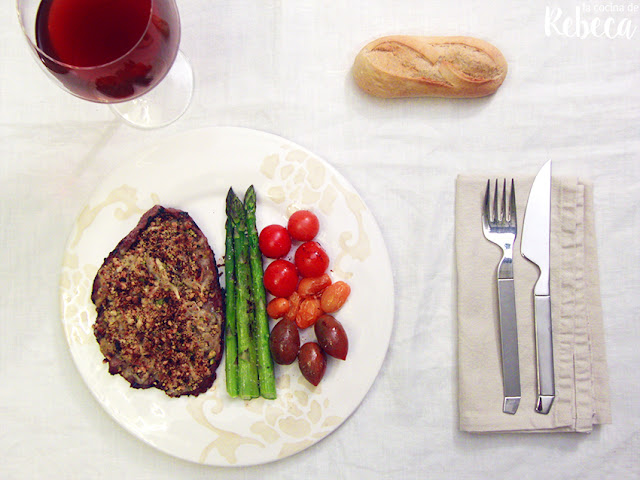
(69, 66)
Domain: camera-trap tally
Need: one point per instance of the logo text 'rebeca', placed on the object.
(585, 22)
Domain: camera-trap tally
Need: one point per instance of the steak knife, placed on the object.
(535, 247)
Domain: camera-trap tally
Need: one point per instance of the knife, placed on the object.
(535, 247)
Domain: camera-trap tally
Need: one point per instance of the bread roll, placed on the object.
(415, 66)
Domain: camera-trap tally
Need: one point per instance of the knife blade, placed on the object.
(535, 247)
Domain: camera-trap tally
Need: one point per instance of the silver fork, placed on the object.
(500, 226)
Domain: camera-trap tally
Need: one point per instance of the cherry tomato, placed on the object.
(311, 260)
(294, 305)
(278, 307)
(310, 286)
(303, 225)
(308, 312)
(274, 241)
(334, 296)
(281, 278)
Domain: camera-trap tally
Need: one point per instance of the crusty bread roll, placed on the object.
(415, 66)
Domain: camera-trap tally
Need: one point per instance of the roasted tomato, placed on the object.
(311, 286)
(278, 307)
(334, 296)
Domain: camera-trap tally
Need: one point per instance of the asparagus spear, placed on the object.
(230, 336)
(261, 331)
(247, 368)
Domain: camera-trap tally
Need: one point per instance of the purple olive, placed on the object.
(284, 342)
(332, 337)
(312, 362)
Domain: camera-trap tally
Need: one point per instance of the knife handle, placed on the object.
(509, 345)
(544, 353)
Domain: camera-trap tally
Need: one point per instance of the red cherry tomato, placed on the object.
(274, 241)
(303, 225)
(281, 278)
(311, 260)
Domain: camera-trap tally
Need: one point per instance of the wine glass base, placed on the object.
(165, 103)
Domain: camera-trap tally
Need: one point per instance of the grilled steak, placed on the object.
(160, 306)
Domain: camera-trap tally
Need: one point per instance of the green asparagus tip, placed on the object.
(230, 196)
(250, 197)
(236, 211)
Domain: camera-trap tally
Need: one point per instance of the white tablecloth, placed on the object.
(284, 67)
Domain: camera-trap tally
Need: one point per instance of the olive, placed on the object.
(284, 342)
(312, 362)
(332, 337)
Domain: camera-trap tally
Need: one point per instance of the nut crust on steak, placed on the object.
(160, 306)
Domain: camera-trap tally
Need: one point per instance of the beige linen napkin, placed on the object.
(581, 377)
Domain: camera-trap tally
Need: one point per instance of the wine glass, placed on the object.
(119, 52)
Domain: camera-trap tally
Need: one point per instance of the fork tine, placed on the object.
(487, 202)
(496, 212)
(513, 218)
(503, 206)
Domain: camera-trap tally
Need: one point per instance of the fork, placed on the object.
(500, 226)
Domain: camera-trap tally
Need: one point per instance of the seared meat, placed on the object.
(160, 306)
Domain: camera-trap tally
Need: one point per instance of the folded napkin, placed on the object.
(581, 377)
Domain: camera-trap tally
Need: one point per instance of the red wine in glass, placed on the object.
(107, 50)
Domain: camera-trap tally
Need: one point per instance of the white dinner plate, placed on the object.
(192, 172)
